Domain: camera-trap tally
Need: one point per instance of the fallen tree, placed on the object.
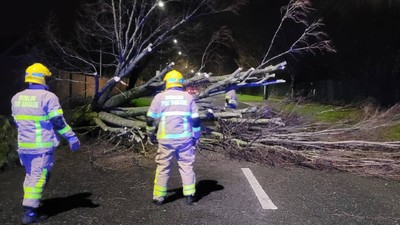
(340, 146)
(253, 133)
(125, 33)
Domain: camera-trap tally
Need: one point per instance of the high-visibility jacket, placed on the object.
(175, 111)
(231, 99)
(34, 111)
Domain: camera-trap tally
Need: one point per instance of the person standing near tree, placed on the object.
(231, 99)
(178, 132)
(37, 113)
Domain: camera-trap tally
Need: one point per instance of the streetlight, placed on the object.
(175, 41)
(161, 4)
(179, 53)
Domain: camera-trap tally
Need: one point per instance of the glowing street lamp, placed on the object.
(161, 4)
(179, 53)
(175, 41)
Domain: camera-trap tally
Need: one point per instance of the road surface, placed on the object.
(80, 193)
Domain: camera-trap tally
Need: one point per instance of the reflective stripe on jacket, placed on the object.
(174, 111)
(32, 110)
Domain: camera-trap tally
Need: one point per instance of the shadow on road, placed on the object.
(203, 188)
(56, 206)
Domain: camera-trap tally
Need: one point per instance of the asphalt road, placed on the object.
(79, 193)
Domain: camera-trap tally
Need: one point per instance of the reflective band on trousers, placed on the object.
(33, 192)
(159, 191)
(189, 189)
(36, 191)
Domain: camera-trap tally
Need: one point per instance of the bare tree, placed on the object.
(137, 28)
(125, 32)
(222, 37)
(117, 35)
(313, 40)
(133, 38)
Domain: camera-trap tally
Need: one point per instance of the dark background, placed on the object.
(366, 34)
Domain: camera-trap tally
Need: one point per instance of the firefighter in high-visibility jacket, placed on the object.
(231, 99)
(38, 114)
(174, 114)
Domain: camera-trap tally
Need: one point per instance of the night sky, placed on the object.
(20, 16)
(349, 23)
(359, 18)
(366, 33)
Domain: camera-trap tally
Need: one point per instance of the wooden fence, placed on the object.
(75, 86)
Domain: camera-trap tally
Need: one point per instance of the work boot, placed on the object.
(189, 199)
(158, 200)
(32, 216)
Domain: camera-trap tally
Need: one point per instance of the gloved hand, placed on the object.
(74, 143)
(210, 114)
(152, 139)
(56, 141)
(195, 141)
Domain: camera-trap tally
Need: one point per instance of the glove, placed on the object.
(152, 139)
(210, 114)
(56, 141)
(74, 143)
(195, 141)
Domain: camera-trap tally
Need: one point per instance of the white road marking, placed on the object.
(265, 201)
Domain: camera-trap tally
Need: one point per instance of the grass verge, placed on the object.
(318, 112)
(140, 102)
(249, 98)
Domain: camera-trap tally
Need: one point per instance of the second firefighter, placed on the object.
(174, 115)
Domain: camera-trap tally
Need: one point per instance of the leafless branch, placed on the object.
(223, 37)
(313, 40)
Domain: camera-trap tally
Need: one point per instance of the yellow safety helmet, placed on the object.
(173, 79)
(36, 73)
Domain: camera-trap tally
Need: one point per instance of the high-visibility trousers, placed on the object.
(37, 168)
(184, 153)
